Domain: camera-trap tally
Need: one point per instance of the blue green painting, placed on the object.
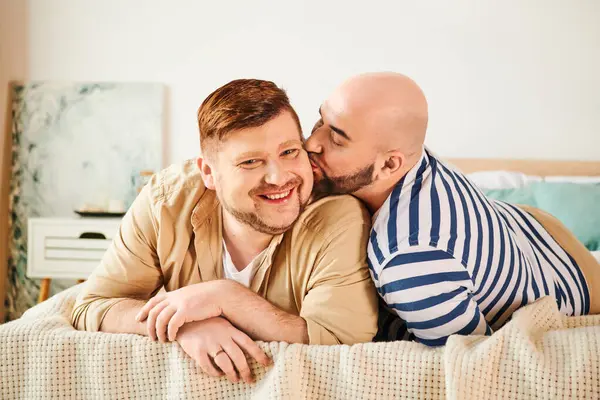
(75, 144)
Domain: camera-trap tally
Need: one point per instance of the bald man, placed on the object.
(443, 257)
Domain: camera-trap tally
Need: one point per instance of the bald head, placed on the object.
(389, 107)
(370, 134)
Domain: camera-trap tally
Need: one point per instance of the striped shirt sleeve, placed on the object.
(432, 291)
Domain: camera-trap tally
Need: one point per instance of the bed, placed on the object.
(539, 354)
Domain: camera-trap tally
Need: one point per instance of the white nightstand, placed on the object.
(66, 248)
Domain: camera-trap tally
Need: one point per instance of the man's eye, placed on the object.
(332, 137)
(249, 163)
(290, 153)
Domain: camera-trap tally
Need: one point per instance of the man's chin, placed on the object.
(275, 230)
(343, 185)
(277, 223)
(323, 187)
(272, 229)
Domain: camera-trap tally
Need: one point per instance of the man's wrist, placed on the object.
(228, 295)
(223, 293)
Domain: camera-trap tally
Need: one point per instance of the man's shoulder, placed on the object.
(428, 205)
(176, 181)
(332, 213)
(329, 238)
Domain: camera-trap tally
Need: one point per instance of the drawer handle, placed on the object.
(92, 235)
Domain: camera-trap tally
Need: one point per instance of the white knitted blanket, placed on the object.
(539, 354)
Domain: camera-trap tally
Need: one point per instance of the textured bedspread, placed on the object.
(539, 354)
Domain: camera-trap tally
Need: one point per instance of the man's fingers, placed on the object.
(143, 313)
(207, 366)
(251, 348)
(163, 321)
(174, 324)
(151, 321)
(223, 361)
(239, 360)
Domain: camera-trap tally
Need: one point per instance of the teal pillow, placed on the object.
(577, 206)
(522, 195)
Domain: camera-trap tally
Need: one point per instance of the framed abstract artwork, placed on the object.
(75, 144)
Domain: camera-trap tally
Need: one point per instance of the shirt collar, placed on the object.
(207, 222)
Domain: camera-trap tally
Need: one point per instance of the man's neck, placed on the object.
(243, 243)
(377, 193)
(374, 196)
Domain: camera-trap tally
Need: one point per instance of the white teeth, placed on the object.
(277, 196)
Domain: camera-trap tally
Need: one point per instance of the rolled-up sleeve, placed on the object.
(340, 306)
(130, 268)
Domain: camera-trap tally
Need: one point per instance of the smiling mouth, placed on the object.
(277, 198)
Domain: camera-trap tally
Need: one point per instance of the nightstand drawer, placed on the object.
(73, 254)
(67, 248)
(79, 244)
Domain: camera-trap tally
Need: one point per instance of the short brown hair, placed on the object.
(240, 104)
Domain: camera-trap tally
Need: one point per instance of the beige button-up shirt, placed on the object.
(172, 237)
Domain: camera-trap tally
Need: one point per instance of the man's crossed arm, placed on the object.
(167, 312)
(214, 322)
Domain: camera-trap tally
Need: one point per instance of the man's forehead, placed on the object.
(337, 112)
(237, 145)
(345, 105)
(335, 106)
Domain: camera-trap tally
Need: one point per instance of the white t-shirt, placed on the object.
(244, 276)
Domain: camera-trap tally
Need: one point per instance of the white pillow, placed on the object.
(502, 179)
(574, 179)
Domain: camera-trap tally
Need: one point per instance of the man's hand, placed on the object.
(216, 341)
(165, 313)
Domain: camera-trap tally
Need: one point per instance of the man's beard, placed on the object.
(344, 184)
(253, 219)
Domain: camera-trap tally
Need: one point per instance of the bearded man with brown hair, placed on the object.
(238, 249)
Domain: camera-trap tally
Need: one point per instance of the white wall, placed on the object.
(511, 78)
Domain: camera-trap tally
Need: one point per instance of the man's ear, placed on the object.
(389, 164)
(207, 173)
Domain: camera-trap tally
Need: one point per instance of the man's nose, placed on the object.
(276, 175)
(313, 145)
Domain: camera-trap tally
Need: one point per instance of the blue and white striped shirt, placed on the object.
(448, 260)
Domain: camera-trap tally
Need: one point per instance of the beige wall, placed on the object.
(494, 72)
(13, 66)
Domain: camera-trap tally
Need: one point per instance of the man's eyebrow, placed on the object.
(340, 132)
(335, 128)
(290, 142)
(248, 155)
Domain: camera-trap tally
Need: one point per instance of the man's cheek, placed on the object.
(317, 175)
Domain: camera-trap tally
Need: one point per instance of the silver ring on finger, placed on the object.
(216, 353)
